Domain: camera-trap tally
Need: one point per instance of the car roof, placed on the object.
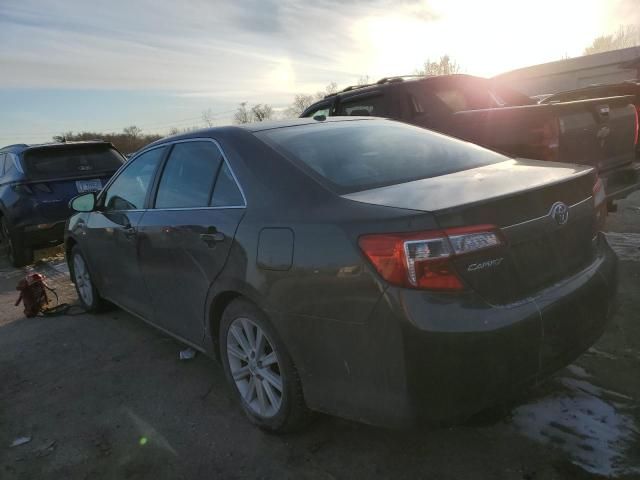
(21, 147)
(252, 128)
(391, 82)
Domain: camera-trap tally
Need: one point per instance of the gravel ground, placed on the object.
(105, 397)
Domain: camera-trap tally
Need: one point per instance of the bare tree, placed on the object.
(626, 36)
(242, 115)
(444, 66)
(258, 113)
(128, 141)
(174, 131)
(302, 101)
(363, 80)
(330, 89)
(261, 112)
(132, 131)
(207, 117)
(63, 137)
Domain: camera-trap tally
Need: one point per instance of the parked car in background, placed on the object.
(631, 88)
(360, 267)
(598, 132)
(36, 184)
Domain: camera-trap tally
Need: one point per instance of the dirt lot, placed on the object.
(104, 396)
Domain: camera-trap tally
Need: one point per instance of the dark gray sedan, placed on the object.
(359, 267)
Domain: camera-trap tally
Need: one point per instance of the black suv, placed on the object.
(36, 184)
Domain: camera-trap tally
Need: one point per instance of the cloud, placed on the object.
(196, 46)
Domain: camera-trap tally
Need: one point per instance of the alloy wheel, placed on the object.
(254, 366)
(83, 279)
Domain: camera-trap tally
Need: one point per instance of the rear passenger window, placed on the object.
(2, 160)
(188, 176)
(226, 192)
(371, 106)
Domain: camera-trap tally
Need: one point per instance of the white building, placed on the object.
(609, 67)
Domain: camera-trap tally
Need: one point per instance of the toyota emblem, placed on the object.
(560, 213)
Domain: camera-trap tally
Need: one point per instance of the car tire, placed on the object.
(253, 380)
(88, 294)
(18, 255)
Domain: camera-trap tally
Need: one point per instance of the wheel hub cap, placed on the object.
(254, 365)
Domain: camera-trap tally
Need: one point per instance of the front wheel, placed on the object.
(260, 370)
(87, 291)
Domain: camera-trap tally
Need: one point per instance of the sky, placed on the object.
(87, 65)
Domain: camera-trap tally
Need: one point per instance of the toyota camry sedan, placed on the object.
(354, 266)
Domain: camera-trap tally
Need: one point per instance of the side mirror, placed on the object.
(83, 203)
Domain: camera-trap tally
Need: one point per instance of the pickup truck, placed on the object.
(599, 132)
(599, 91)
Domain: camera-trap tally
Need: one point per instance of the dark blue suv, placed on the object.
(36, 184)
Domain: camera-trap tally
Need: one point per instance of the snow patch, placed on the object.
(586, 421)
(626, 245)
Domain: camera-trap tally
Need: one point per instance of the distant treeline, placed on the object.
(130, 140)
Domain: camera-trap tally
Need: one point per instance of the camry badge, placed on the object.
(560, 213)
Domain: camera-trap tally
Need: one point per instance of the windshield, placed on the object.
(360, 155)
(72, 161)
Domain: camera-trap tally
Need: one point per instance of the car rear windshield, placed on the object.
(44, 163)
(359, 155)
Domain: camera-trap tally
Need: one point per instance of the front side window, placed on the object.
(2, 160)
(369, 106)
(129, 190)
(187, 179)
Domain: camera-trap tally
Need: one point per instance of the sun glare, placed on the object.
(486, 38)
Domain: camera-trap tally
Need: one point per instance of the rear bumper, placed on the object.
(42, 235)
(621, 182)
(459, 357)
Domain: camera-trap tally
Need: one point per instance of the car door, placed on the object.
(112, 237)
(187, 235)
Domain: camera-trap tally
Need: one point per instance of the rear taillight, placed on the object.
(423, 260)
(545, 140)
(600, 205)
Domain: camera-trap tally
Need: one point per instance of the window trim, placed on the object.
(151, 199)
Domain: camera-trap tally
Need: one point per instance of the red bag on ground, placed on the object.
(33, 294)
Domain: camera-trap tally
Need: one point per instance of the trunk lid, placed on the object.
(516, 196)
(52, 196)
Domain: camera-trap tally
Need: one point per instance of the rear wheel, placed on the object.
(87, 291)
(18, 254)
(260, 370)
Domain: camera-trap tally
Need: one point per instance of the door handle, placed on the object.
(212, 238)
(130, 232)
